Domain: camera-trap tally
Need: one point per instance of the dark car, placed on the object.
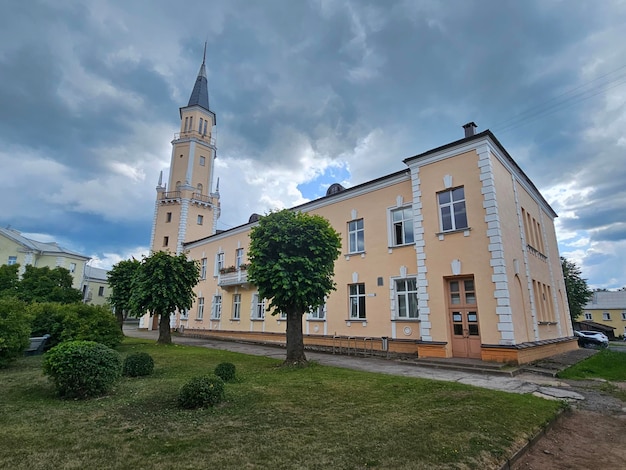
(589, 339)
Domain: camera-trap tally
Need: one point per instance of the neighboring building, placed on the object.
(454, 256)
(17, 249)
(608, 309)
(95, 286)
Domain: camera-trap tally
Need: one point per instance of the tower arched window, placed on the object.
(186, 123)
(200, 126)
(190, 123)
(205, 122)
(199, 188)
(177, 185)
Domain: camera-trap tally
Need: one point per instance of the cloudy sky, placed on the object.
(306, 93)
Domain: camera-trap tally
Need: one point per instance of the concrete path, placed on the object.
(545, 387)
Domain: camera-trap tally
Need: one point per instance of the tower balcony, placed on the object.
(228, 278)
(169, 196)
(207, 138)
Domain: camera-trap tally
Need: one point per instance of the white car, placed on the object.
(587, 338)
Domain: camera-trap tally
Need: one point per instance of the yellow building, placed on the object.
(454, 256)
(95, 286)
(17, 249)
(608, 309)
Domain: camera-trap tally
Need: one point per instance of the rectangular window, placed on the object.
(588, 316)
(186, 124)
(200, 126)
(168, 217)
(72, 267)
(202, 161)
(200, 219)
(623, 315)
(356, 236)
(402, 226)
(258, 307)
(216, 308)
(203, 263)
(12, 260)
(101, 291)
(190, 123)
(452, 209)
(184, 315)
(357, 301)
(200, 308)
(283, 315)
(238, 257)
(219, 263)
(606, 316)
(205, 126)
(236, 306)
(166, 241)
(406, 296)
(318, 313)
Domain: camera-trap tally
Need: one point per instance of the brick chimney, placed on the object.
(470, 129)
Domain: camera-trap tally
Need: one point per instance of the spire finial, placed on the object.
(204, 54)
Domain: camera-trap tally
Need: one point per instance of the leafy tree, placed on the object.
(14, 330)
(9, 280)
(164, 283)
(292, 260)
(120, 279)
(578, 293)
(48, 285)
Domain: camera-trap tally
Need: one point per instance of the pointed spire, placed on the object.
(160, 179)
(217, 187)
(200, 94)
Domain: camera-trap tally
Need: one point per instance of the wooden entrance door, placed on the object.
(463, 313)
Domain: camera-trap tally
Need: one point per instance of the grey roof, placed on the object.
(96, 274)
(200, 94)
(607, 300)
(42, 247)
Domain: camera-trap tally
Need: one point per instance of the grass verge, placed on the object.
(273, 417)
(607, 364)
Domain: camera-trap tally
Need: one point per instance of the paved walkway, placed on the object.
(545, 387)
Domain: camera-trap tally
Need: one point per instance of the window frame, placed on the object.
(407, 294)
(238, 257)
(12, 260)
(202, 160)
(606, 316)
(258, 308)
(100, 291)
(200, 309)
(357, 299)
(403, 223)
(450, 205)
(203, 268)
(354, 234)
(318, 313)
(216, 307)
(219, 262)
(200, 219)
(588, 316)
(236, 312)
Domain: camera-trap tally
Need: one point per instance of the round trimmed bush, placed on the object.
(201, 391)
(82, 369)
(138, 364)
(225, 371)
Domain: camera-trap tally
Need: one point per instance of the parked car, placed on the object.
(588, 339)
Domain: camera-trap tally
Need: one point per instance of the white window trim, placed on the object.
(200, 312)
(391, 225)
(216, 307)
(203, 268)
(357, 296)
(236, 313)
(451, 205)
(219, 262)
(396, 310)
(314, 314)
(256, 303)
(356, 233)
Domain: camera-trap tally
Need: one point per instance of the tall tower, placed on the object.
(187, 207)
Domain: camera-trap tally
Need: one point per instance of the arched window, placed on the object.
(199, 188)
(200, 126)
(177, 185)
(205, 122)
(186, 123)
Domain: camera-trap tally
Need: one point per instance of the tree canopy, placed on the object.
(163, 284)
(292, 260)
(120, 279)
(47, 285)
(578, 293)
(9, 280)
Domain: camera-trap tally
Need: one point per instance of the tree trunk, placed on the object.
(119, 315)
(164, 329)
(295, 341)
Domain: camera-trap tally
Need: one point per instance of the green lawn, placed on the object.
(273, 418)
(606, 364)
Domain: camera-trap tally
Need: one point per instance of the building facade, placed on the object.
(608, 309)
(95, 286)
(454, 256)
(18, 249)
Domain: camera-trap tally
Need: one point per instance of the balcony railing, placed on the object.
(170, 195)
(201, 197)
(235, 278)
(198, 135)
(537, 253)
